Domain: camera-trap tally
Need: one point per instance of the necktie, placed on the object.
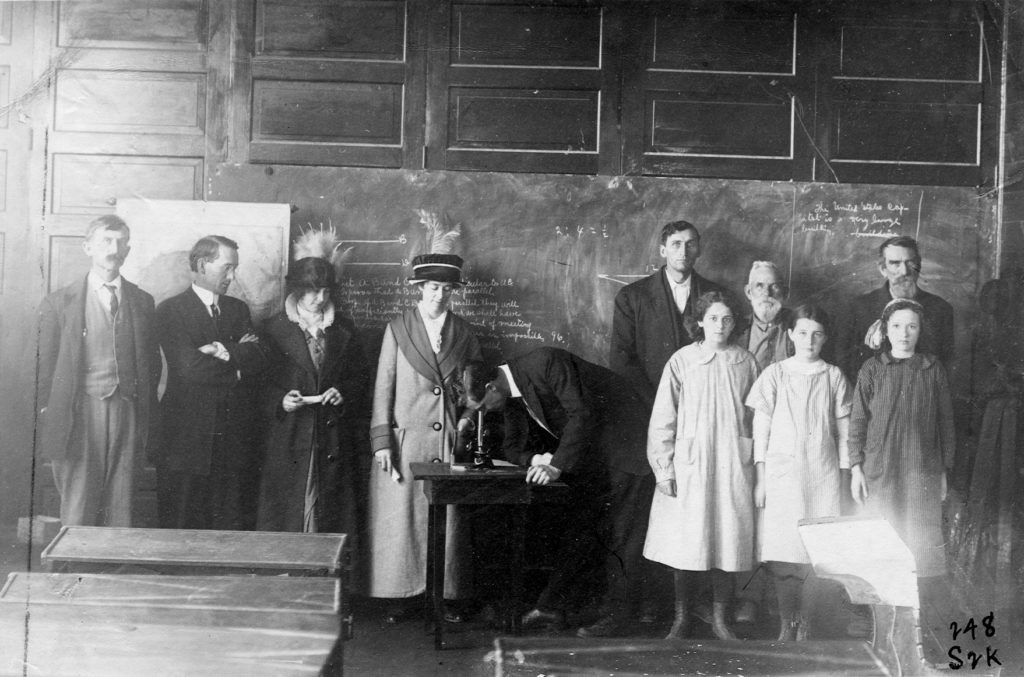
(214, 312)
(114, 304)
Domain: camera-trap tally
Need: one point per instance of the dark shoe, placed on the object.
(399, 613)
(538, 619)
(454, 615)
(606, 626)
(649, 613)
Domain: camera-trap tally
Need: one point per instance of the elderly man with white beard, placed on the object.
(766, 336)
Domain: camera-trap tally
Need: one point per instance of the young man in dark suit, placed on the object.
(97, 374)
(652, 314)
(208, 458)
(570, 420)
(651, 322)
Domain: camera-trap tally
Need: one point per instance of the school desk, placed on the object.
(192, 551)
(93, 625)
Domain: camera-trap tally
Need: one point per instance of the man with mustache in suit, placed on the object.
(97, 374)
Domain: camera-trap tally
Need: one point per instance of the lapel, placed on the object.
(294, 344)
(74, 324)
(665, 306)
(198, 316)
(411, 336)
(336, 340)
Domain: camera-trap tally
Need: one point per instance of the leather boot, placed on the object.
(681, 622)
(719, 627)
(787, 629)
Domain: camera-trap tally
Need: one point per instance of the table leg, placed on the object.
(435, 569)
(516, 565)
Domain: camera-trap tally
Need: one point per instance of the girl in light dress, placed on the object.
(801, 420)
(699, 445)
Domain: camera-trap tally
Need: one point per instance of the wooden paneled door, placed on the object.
(130, 105)
(22, 140)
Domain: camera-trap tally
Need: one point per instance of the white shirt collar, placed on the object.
(305, 320)
(514, 390)
(96, 283)
(205, 295)
(685, 284)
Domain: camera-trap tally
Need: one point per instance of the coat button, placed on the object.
(331, 457)
(436, 426)
(437, 390)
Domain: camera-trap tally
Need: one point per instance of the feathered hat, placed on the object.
(442, 264)
(318, 258)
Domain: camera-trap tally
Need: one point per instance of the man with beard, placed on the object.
(97, 374)
(859, 332)
(766, 336)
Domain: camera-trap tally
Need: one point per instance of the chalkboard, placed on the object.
(546, 254)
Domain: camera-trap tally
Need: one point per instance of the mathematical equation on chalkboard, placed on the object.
(866, 218)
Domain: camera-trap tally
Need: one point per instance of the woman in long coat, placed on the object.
(414, 419)
(310, 398)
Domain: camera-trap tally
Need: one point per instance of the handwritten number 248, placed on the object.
(971, 628)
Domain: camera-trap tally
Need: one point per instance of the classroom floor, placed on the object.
(406, 649)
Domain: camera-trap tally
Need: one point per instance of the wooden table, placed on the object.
(198, 552)
(506, 486)
(90, 625)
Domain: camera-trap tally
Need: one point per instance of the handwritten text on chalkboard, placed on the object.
(857, 219)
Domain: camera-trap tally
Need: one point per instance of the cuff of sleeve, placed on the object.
(662, 474)
(380, 437)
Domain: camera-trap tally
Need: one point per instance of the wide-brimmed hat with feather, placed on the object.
(442, 264)
(318, 259)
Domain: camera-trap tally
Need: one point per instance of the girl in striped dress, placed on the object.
(902, 439)
(801, 418)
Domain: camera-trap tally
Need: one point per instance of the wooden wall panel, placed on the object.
(4, 171)
(327, 112)
(909, 132)
(530, 119)
(135, 24)
(701, 124)
(130, 102)
(686, 39)
(910, 50)
(6, 21)
(518, 35)
(522, 87)
(89, 184)
(332, 82)
(331, 29)
(714, 89)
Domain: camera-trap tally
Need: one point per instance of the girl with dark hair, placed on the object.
(801, 419)
(311, 398)
(699, 445)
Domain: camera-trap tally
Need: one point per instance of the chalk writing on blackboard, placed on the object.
(579, 231)
(490, 305)
(620, 278)
(864, 218)
(401, 239)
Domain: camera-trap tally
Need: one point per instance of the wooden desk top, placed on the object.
(271, 594)
(531, 656)
(81, 640)
(247, 550)
(443, 471)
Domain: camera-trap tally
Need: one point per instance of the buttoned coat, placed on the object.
(647, 329)
(205, 399)
(60, 364)
(411, 415)
(329, 432)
